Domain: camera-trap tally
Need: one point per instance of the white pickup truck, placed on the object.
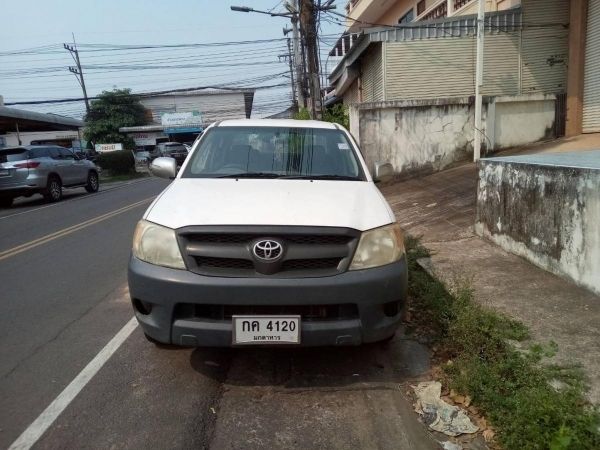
(273, 232)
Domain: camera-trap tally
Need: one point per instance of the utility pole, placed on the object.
(77, 71)
(298, 63)
(479, 81)
(303, 14)
(288, 57)
(309, 29)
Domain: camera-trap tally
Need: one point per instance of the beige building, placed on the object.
(393, 12)
(409, 82)
(583, 91)
(427, 59)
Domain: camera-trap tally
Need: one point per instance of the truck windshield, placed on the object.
(274, 152)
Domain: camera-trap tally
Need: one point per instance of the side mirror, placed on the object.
(384, 171)
(164, 167)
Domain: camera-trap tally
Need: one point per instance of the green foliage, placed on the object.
(302, 114)
(112, 110)
(117, 163)
(512, 386)
(337, 114)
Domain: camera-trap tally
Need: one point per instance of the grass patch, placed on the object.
(122, 177)
(511, 387)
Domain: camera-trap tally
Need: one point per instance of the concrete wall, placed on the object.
(418, 136)
(546, 214)
(521, 120)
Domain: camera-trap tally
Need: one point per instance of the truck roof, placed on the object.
(285, 123)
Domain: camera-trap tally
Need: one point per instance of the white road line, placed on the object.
(39, 426)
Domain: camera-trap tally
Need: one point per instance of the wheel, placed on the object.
(53, 191)
(92, 182)
(6, 202)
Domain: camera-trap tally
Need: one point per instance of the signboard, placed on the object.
(141, 139)
(190, 119)
(101, 148)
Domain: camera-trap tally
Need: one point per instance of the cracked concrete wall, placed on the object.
(547, 214)
(421, 136)
(416, 138)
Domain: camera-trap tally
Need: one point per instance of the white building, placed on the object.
(182, 115)
(21, 127)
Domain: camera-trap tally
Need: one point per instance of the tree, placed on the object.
(111, 111)
(337, 114)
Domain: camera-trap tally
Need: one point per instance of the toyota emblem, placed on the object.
(267, 250)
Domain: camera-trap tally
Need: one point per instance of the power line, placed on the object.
(145, 94)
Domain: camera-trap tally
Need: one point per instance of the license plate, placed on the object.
(266, 330)
(4, 172)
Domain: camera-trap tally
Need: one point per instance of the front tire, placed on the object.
(92, 182)
(6, 202)
(53, 191)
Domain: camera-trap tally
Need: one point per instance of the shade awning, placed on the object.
(11, 118)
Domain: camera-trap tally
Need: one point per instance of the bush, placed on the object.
(117, 163)
(512, 386)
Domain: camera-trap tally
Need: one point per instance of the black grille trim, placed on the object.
(227, 250)
(189, 311)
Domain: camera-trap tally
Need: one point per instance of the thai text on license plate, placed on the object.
(266, 330)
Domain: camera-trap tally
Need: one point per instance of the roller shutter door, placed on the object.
(591, 87)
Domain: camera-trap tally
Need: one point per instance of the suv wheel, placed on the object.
(53, 192)
(92, 182)
(6, 202)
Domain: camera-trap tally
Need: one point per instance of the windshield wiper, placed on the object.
(251, 175)
(321, 177)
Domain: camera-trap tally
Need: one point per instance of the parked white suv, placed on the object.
(272, 232)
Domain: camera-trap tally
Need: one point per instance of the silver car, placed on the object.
(43, 169)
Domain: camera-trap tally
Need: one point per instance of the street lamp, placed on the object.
(241, 8)
(247, 9)
(292, 14)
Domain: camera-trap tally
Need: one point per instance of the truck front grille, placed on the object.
(228, 251)
(190, 311)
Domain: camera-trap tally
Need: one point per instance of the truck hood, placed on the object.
(210, 201)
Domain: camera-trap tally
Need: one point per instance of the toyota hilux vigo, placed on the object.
(273, 232)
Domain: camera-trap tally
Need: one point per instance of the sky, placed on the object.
(34, 64)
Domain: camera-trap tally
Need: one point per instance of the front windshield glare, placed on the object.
(274, 152)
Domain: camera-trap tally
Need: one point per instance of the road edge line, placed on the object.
(39, 426)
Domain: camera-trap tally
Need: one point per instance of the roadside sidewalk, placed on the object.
(441, 209)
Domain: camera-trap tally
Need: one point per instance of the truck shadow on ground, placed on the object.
(396, 361)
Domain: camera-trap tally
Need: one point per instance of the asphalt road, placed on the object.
(64, 297)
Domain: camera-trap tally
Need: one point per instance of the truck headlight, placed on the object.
(156, 244)
(379, 247)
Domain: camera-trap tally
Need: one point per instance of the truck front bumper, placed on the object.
(164, 300)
